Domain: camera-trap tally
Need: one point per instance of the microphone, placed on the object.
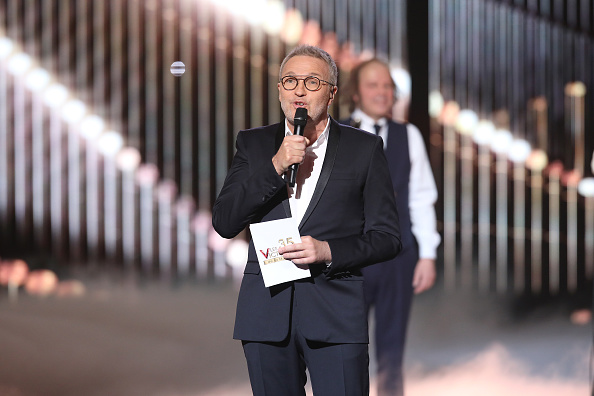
(299, 120)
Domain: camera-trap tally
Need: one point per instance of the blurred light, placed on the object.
(55, 95)
(19, 64)
(291, 34)
(185, 205)
(586, 187)
(501, 141)
(73, 111)
(403, 83)
(467, 121)
(147, 174)
(91, 127)
(128, 159)
(449, 113)
(519, 150)
(274, 19)
(166, 191)
(110, 143)
(177, 68)
(537, 160)
(575, 89)
(217, 243)
(237, 253)
(202, 221)
(6, 47)
(483, 132)
(37, 79)
(436, 104)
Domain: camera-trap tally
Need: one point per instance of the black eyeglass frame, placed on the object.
(304, 79)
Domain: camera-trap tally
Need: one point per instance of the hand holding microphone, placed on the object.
(299, 121)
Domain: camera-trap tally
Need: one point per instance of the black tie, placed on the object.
(377, 128)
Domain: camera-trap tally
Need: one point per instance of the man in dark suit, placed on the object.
(389, 286)
(344, 204)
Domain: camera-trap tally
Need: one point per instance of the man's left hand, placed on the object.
(424, 276)
(309, 251)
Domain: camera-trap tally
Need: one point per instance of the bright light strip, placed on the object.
(274, 17)
(586, 187)
(501, 141)
(537, 160)
(19, 64)
(6, 47)
(436, 104)
(483, 132)
(91, 127)
(37, 79)
(55, 95)
(128, 159)
(467, 121)
(110, 143)
(73, 111)
(519, 150)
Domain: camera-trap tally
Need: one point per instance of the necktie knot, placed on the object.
(377, 128)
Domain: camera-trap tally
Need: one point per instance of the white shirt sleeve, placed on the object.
(422, 196)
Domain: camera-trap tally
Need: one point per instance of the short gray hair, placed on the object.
(314, 52)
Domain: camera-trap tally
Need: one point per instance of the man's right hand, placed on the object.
(291, 151)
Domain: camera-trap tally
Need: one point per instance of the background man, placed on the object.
(389, 286)
(344, 203)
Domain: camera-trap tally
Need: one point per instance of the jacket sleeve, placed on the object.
(250, 184)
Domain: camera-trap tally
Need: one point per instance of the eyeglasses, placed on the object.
(311, 83)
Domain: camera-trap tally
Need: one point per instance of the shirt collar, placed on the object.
(359, 115)
(323, 137)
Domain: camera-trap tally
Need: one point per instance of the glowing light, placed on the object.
(586, 187)
(37, 79)
(449, 113)
(91, 127)
(501, 141)
(6, 47)
(128, 159)
(55, 95)
(293, 27)
(19, 64)
(537, 160)
(110, 143)
(73, 111)
(274, 17)
(147, 174)
(467, 121)
(483, 132)
(519, 150)
(237, 253)
(436, 104)
(177, 68)
(403, 82)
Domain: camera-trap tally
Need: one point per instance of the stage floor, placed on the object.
(130, 338)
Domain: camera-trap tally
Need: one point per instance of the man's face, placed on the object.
(375, 95)
(316, 102)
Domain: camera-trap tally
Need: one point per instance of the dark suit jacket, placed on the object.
(353, 209)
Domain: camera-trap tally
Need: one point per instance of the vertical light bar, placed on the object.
(275, 57)
(201, 223)
(467, 120)
(170, 131)
(536, 163)
(186, 106)
(115, 27)
(500, 145)
(109, 144)
(554, 172)
(37, 81)
(166, 192)
(586, 189)
(6, 48)
(240, 57)
(204, 15)
(449, 117)
(483, 134)
(128, 160)
(54, 96)
(147, 176)
(82, 51)
(518, 153)
(18, 65)
(184, 209)
(397, 21)
(99, 25)
(572, 180)
(151, 134)
(382, 27)
(537, 118)
(134, 14)
(47, 42)
(354, 24)
(64, 45)
(72, 113)
(90, 129)
(221, 97)
(574, 93)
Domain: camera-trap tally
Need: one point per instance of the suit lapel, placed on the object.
(278, 140)
(331, 150)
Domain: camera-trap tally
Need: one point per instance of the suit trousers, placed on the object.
(279, 368)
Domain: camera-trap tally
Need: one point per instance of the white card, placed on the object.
(268, 237)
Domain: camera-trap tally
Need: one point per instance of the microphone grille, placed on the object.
(300, 116)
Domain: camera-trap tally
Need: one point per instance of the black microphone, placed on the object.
(300, 120)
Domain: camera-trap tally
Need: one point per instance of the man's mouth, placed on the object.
(300, 104)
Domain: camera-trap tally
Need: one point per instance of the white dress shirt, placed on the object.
(308, 174)
(422, 191)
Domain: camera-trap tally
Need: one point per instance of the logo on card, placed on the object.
(271, 254)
